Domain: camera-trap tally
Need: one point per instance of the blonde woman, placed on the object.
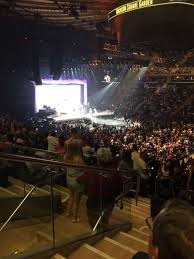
(74, 156)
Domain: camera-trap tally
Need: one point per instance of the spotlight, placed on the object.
(107, 79)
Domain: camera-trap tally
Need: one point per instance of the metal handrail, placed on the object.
(28, 148)
(21, 158)
(120, 197)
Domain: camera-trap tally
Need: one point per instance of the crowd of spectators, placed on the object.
(157, 139)
(159, 106)
(179, 64)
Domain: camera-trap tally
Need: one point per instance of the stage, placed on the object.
(100, 118)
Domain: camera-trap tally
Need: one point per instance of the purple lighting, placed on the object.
(64, 82)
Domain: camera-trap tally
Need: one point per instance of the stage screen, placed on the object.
(63, 97)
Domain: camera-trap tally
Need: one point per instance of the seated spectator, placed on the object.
(52, 141)
(172, 233)
(74, 136)
(138, 163)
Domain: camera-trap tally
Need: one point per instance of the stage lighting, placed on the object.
(107, 78)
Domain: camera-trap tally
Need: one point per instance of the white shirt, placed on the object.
(52, 143)
(138, 163)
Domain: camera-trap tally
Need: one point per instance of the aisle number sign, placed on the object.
(140, 4)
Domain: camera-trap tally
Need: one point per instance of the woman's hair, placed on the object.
(173, 231)
(61, 140)
(74, 152)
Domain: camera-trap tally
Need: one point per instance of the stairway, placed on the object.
(21, 235)
(24, 235)
(122, 245)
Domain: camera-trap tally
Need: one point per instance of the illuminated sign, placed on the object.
(140, 4)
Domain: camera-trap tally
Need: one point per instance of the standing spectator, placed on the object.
(74, 136)
(60, 148)
(52, 141)
(102, 189)
(74, 156)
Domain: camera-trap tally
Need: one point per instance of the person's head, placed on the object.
(135, 147)
(73, 150)
(74, 132)
(104, 155)
(173, 232)
(53, 133)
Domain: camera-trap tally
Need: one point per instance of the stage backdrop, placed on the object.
(63, 95)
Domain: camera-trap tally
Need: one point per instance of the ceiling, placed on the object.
(84, 14)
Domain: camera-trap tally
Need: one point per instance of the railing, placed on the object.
(20, 148)
(52, 172)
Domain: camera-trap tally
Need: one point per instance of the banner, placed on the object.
(140, 4)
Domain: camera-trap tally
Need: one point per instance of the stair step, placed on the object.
(6, 193)
(131, 241)
(89, 252)
(18, 191)
(140, 211)
(114, 248)
(139, 234)
(58, 190)
(57, 256)
(136, 207)
(25, 187)
(64, 228)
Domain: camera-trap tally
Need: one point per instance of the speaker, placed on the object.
(56, 61)
(36, 69)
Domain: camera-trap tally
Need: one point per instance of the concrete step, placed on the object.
(57, 256)
(23, 188)
(89, 252)
(133, 206)
(57, 189)
(19, 239)
(64, 229)
(136, 210)
(139, 234)
(4, 193)
(131, 241)
(115, 249)
(17, 190)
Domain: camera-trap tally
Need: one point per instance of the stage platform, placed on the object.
(101, 118)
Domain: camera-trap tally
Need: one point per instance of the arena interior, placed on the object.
(97, 129)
